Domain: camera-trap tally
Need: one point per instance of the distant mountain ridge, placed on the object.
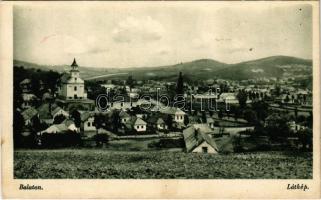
(201, 69)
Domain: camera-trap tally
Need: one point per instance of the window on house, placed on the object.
(75, 88)
(204, 149)
(181, 117)
(92, 123)
(142, 126)
(70, 97)
(75, 79)
(75, 96)
(137, 127)
(88, 124)
(124, 120)
(121, 104)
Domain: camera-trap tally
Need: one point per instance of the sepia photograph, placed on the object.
(163, 93)
(184, 91)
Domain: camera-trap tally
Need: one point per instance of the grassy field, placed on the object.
(100, 163)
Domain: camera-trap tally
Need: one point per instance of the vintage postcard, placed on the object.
(160, 99)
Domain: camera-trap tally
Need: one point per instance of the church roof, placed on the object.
(74, 63)
(65, 77)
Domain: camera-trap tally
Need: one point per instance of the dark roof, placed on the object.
(25, 81)
(172, 110)
(74, 63)
(123, 114)
(54, 111)
(194, 137)
(65, 77)
(29, 113)
(156, 119)
(85, 115)
(45, 111)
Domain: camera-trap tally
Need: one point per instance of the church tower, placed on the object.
(74, 72)
(72, 86)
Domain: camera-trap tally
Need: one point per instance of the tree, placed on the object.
(169, 122)
(116, 121)
(180, 85)
(277, 90)
(18, 124)
(220, 114)
(204, 119)
(242, 97)
(130, 82)
(296, 112)
(75, 115)
(17, 96)
(98, 121)
(186, 120)
(250, 116)
(36, 124)
(35, 87)
(287, 99)
(261, 110)
(276, 126)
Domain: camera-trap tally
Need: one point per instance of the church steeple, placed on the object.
(74, 65)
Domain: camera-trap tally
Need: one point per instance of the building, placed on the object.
(71, 92)
(136, 123)
(87, 121)
(124, 116)
(198, 140)
(59, 111)
(72, 86)
(25, 85)
(28, 115)
(176, 113)
(157, 122)
(28, 100)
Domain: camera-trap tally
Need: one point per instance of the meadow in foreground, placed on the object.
(105, 164)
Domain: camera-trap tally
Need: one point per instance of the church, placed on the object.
(72, 86)
(72, 93)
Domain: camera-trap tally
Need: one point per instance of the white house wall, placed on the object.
(199, 149)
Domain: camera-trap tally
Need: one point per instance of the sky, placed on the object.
(143, 34)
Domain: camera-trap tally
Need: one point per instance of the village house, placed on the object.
(59, 111)
(176, 113)
(197, 140)
(28, 100)
(28, 115)
(228, 98)
(25, 85)
(157, 122)
(124, 116)
(136, 123)
(210, 122)
(70, 125)
(295, 127)
(67, 125)
(87, 121)
(45, 112)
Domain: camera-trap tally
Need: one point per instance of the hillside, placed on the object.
(265, 67)
(195, 70)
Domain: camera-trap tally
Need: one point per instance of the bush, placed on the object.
(68, 139)
(167, 143)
